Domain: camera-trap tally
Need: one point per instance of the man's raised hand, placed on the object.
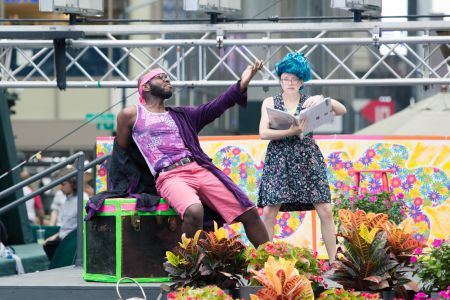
(248, 74)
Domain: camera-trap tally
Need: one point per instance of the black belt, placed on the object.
(181, 162)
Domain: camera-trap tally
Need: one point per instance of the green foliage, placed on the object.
(433, 267)
(183, 263)
(210, 292)
(374, 253)
(381, 202)
(224, 259)
(214, 259)
(336, 294)
(306, 261)
(362, 263)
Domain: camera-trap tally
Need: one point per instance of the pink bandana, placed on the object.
(147, 77)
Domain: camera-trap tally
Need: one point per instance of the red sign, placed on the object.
(377, 110)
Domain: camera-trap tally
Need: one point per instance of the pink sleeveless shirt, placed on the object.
(158, 138)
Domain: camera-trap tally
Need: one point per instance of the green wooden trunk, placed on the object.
(122, 242)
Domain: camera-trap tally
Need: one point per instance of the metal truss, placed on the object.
(215, 54)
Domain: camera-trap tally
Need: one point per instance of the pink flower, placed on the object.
(411, 178)
(396, 182)
(437, 243)
(420, 296)
(413, 259)
(418, 201)
(360, 196)
(418, 251)
(419, 218)
(373, 199)
(400, 196)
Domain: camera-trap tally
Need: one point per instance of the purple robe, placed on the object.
(190, 120)
(129, 176)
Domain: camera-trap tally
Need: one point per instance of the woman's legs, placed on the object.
(327, 228)
(269, 215)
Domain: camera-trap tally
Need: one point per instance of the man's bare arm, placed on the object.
(125, 121)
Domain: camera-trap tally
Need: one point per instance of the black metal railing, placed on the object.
(80, 169)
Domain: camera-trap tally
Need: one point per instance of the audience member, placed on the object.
(35, 207)
(68, 213)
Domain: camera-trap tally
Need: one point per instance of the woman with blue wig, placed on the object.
(294, 176)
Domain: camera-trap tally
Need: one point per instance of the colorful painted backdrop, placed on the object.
(420, 170)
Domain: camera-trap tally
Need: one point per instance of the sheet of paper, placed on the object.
(315, 116)
(279, 119)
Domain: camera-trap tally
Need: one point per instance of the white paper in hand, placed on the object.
(279, 119)
(315, 116)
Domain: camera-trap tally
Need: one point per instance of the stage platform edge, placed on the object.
(67, 283)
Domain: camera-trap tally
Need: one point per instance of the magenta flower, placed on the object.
(437, 243)
(420, 296)
(400, 196)
(418, 251)
(413, 259)
(373, 199)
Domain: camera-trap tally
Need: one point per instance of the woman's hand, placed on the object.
(297, 128)
(313, 100)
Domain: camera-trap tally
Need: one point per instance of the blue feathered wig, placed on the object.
(294, 63)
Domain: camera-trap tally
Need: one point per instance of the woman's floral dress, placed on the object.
(294, 172)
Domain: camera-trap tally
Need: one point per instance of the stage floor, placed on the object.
(67, 283)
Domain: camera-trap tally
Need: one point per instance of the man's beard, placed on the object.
(158, 91)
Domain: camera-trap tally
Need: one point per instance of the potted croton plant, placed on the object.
(306, 261)
(374, 253)
(281, 280)
(214, 259)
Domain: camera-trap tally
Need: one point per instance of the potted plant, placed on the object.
(432, 267)
(210, 292)
(400, 241)
(281, 280)
(224, 258)
(214, 259)
(336, 294)
(306, 261)
(363, 261)
(382, 201)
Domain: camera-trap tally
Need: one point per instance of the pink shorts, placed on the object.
(192, 184)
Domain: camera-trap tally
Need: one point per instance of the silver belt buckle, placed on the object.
(185, 161)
